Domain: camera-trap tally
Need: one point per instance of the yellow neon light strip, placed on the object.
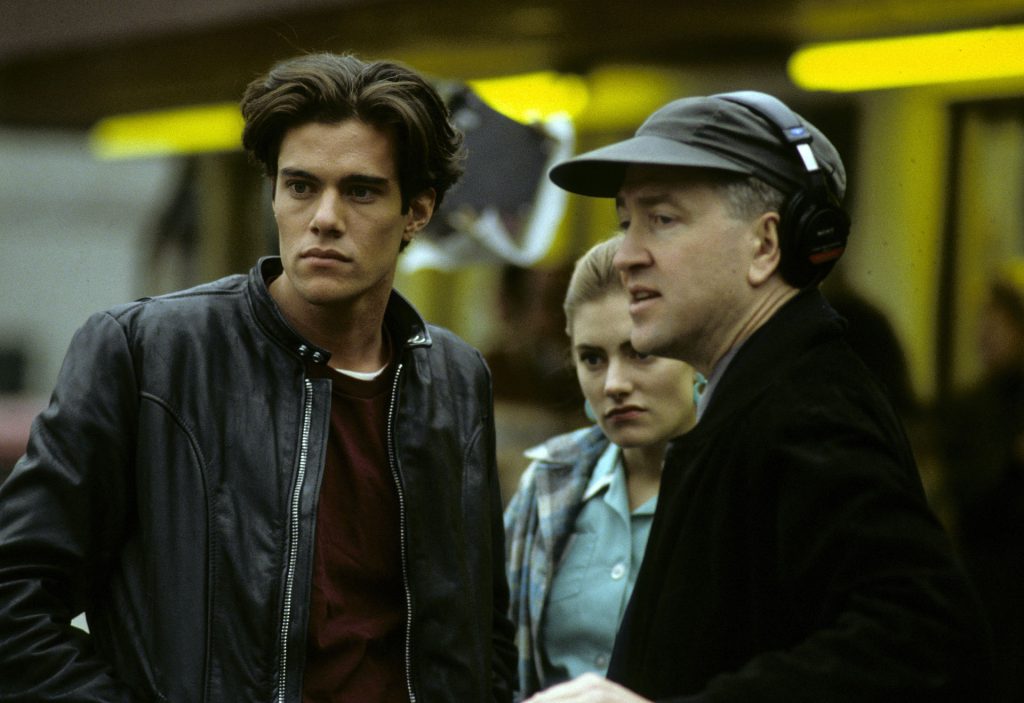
(530, 97)
(186, 130)
(910, 61)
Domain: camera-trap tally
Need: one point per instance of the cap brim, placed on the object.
(599, 173)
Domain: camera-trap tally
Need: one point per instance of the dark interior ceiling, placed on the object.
(66, 63)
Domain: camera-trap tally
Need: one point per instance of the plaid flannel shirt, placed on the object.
(538, 521)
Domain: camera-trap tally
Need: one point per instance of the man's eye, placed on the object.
(300, 187)
(361, 192)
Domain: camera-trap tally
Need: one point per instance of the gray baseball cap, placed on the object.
(711, 132)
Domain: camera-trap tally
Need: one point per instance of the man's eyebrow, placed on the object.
(654, 199)
(646, 200)
(359, 178)
(365, 179)
(298, 173)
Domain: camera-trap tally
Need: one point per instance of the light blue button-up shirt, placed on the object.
(593, 582)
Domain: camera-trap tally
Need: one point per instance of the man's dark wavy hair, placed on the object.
(331, 88)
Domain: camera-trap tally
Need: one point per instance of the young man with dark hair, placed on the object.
(792, 555)
(279, 486)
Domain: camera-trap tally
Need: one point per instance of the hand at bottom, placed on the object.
(588, 688)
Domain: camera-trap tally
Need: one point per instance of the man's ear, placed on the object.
(421, 209)
(767, 253)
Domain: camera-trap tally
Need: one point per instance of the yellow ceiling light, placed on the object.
(969, 55)
(532, 97)
(187, 130)
(610, 98)
(623, 96)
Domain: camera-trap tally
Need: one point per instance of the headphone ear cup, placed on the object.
(812, 237)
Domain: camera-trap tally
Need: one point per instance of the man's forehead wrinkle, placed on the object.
(648, 194)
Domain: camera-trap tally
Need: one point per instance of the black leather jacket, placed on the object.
(170, 490)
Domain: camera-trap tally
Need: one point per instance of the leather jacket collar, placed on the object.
(401, 317)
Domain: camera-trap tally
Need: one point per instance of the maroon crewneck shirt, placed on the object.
(356, 632)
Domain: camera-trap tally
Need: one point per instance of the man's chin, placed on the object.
(648, 341)
(324, 293)
(645, 341)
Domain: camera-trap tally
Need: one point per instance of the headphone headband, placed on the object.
(787, 122)
(813, 227)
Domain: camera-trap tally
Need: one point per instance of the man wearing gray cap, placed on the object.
(793, 556)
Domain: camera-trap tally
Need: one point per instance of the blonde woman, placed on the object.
(578, 523)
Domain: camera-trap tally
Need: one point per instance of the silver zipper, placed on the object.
(402, 532)
(293, 538)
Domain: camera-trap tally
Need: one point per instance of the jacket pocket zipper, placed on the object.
(393, 462)
(293, 540)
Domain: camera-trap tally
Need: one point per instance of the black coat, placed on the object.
(793, 556)
(170, 492)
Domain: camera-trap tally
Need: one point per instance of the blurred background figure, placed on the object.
(871, 334)
(873, 337)
(981, 438)
(536, 394)
(578, 525)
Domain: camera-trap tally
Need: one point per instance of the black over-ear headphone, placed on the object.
(813, 227)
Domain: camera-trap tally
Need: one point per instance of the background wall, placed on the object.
(73, 232)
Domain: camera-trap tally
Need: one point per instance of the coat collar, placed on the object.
(401, 317)
(801, 324)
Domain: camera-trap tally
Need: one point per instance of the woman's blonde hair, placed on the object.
(593, 277)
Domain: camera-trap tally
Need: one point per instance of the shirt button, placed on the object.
(618, 571)
(601, 661)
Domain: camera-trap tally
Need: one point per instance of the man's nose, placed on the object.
(629, 254)
(327, 218)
